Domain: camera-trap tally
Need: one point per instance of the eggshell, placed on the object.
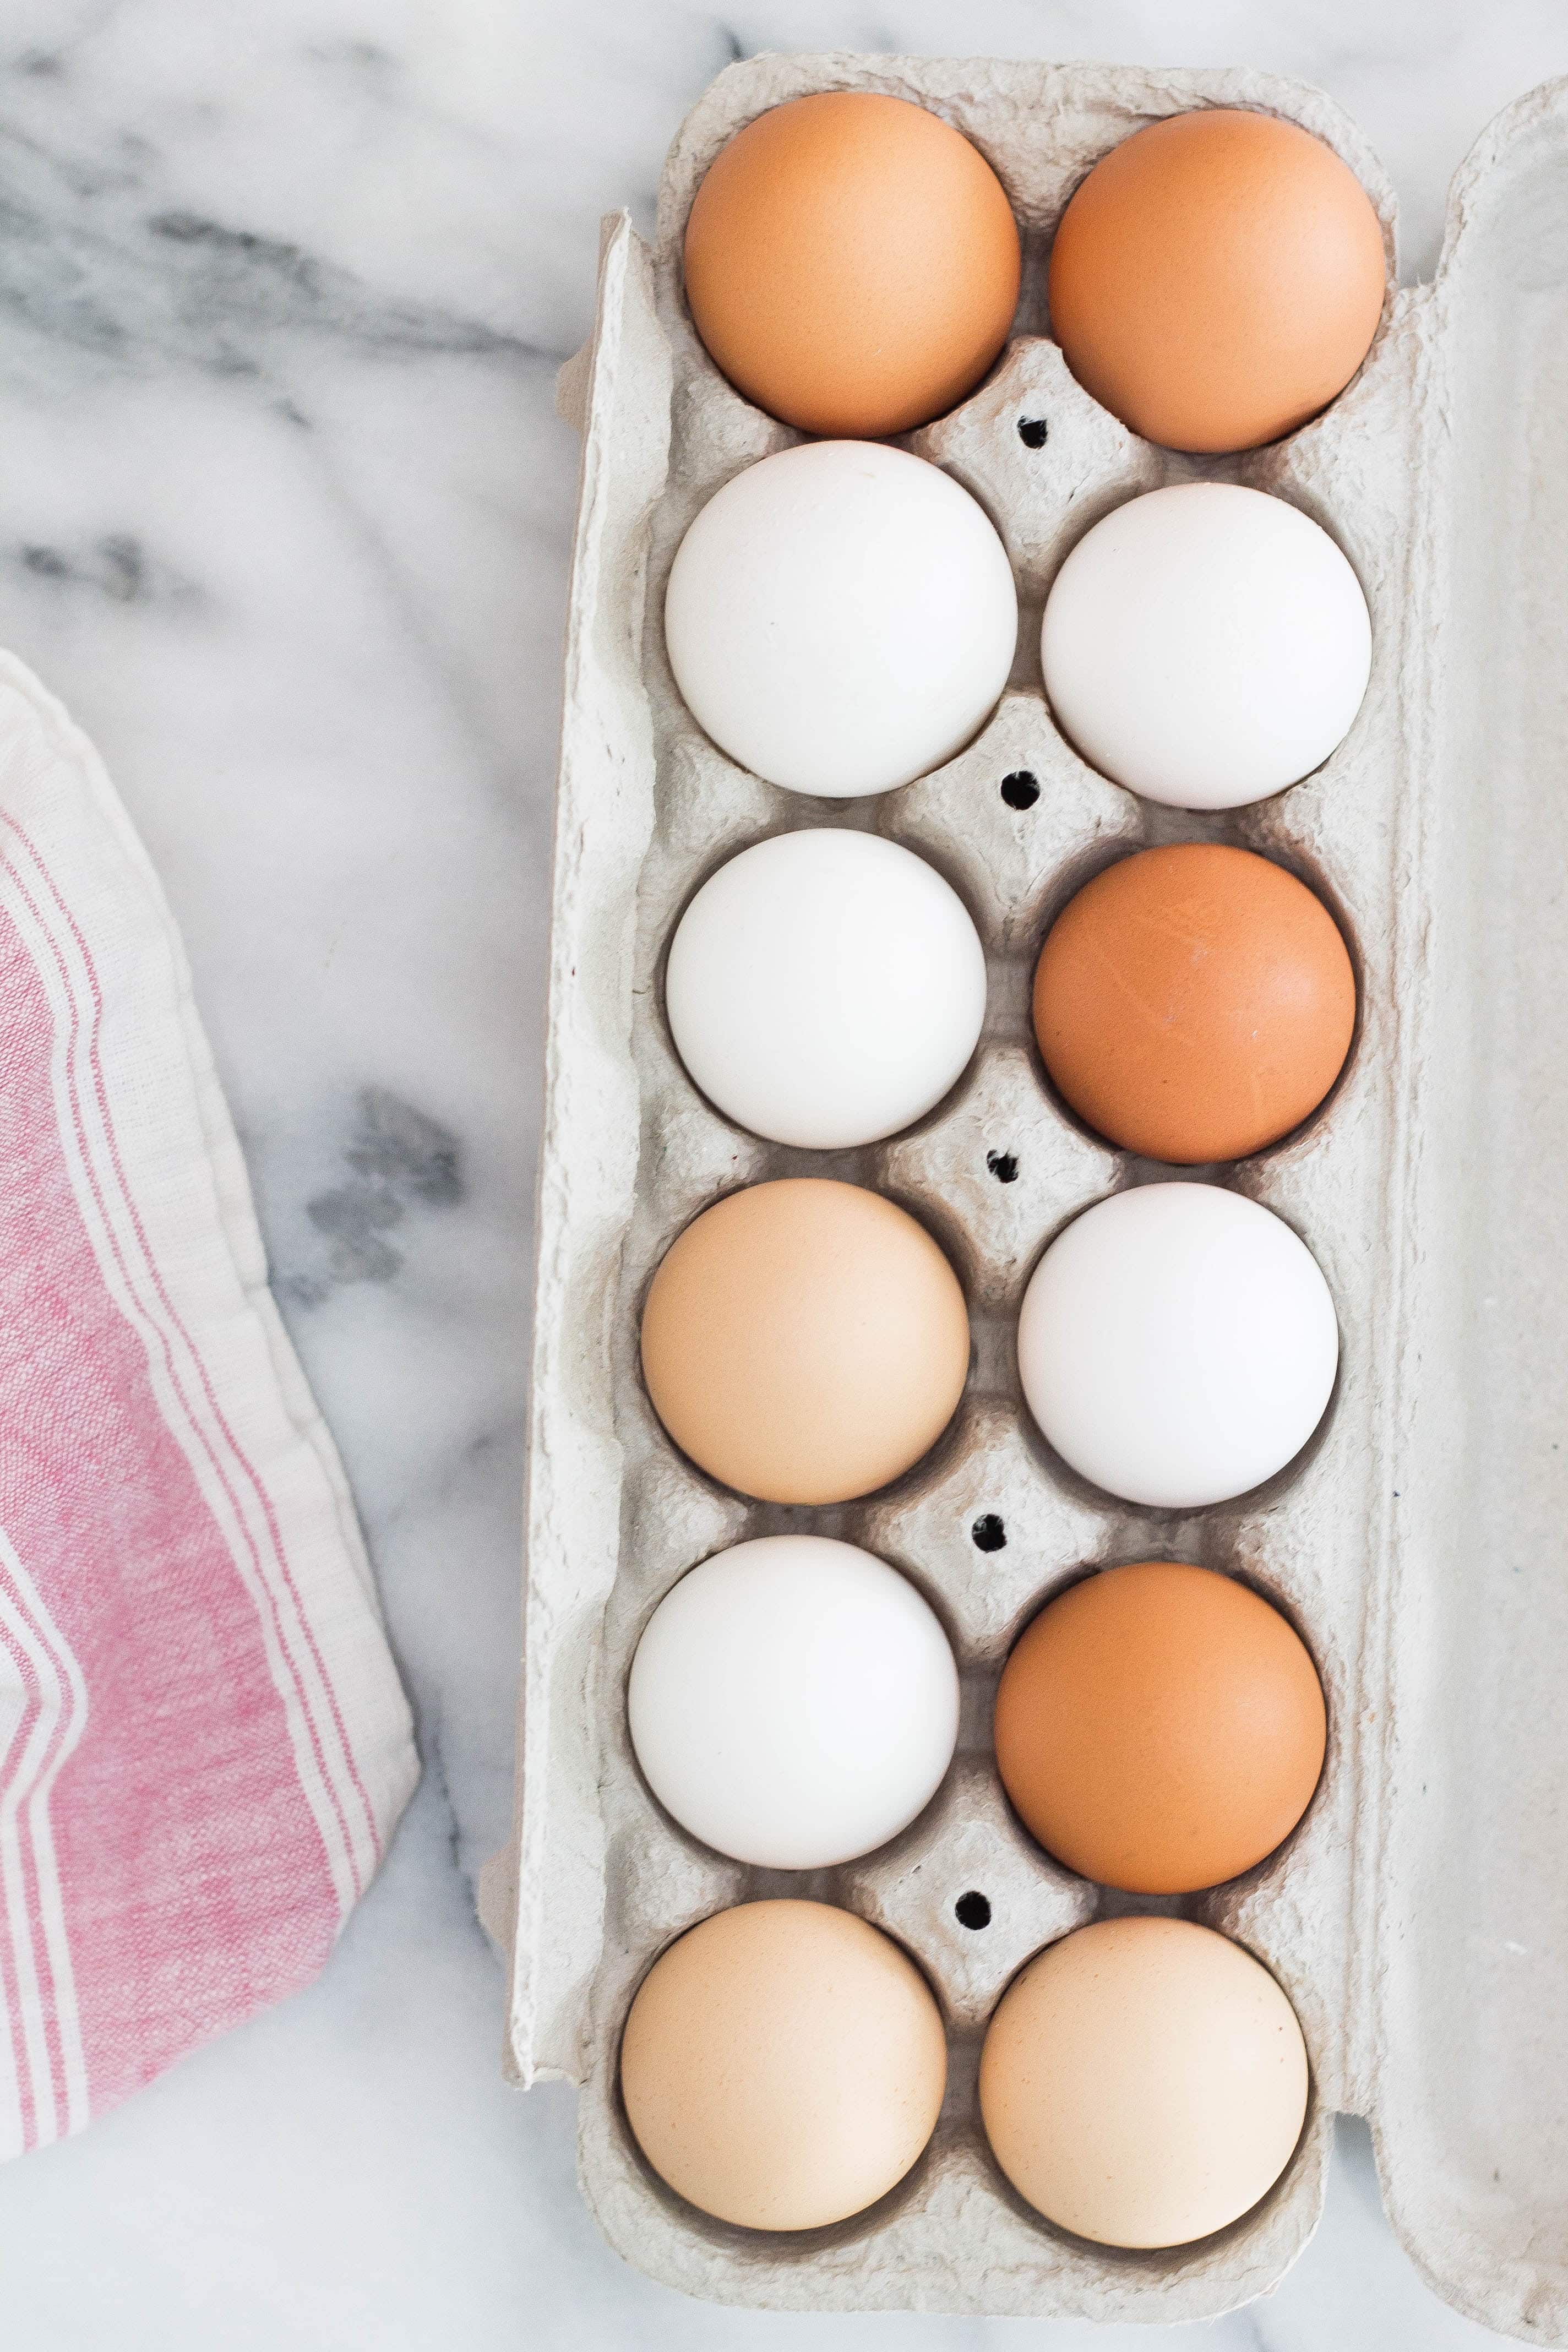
(1217, 279)
(1195, 1003)
(852, 263)
(826, 988)
(1159, 1727)
(1144, 2082)
(841, 618)
(793, 1701)
(804, 1341)
(782, 2066)
(1177, 1344)
(1205, 645)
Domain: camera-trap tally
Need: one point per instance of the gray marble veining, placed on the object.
(284, 517)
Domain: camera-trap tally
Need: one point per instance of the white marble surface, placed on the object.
(284, 516)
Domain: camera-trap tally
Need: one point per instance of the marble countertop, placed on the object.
(284, 518)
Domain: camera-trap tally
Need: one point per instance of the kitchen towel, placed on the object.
(204, 1744)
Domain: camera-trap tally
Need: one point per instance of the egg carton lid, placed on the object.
(1457, 1960)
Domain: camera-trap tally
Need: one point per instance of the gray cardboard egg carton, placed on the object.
(1418, 1919)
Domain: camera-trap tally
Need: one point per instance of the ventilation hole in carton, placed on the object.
(988, 1533)
(973, 1910)
(1033, 432)
(1004, 1166)
(1020, 790)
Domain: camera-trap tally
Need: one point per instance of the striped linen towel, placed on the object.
(204, 1744)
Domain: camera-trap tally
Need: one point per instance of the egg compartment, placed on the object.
(1366, 1916)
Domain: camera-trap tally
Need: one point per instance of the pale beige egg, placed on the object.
(1144, 2082)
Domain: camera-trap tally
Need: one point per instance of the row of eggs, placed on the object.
(1144, 2080)
(807, 1341)
(794, 1703)
(841, 617)
(1192, 1004)
(853, 266)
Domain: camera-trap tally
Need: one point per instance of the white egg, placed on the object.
(841, 617)
(793, 1701)
(826, 988)
(1205, 645)
(1177, 1344)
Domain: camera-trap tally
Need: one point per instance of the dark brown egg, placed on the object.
(1159, 1727)
(1194, 1004)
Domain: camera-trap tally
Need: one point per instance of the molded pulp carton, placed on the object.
(1418, 1917)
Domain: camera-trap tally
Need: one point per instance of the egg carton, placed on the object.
(1418, 1917)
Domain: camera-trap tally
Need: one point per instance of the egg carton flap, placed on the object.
(1418, 1919)
(1468, 2108)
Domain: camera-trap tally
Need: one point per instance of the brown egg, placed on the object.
(804, 1341)
(1144, 2082)
(782, 2066)
(852, 264)
(1159, 1728)
(1194, 1004)
(1217, 279)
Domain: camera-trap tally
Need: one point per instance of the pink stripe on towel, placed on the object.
(203, 1745)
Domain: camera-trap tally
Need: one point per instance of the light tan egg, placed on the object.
(804, 1341)
(782, 2066)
